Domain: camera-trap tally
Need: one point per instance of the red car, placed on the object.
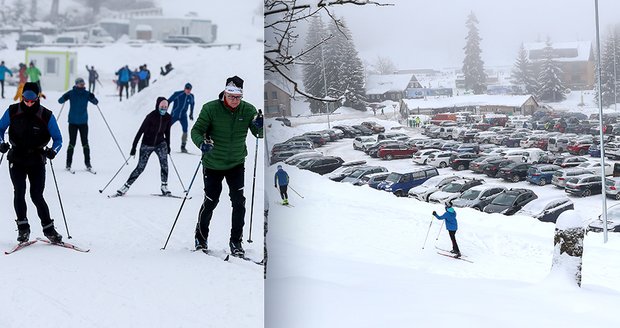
(579, 148)
(542, 143)
(396, 151)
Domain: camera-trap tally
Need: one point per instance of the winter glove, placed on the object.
(275, 186)
(49, 153)
(191, 116)
(206, 146)
(434, 213)
(168, 149)
(4, 147)
(258, 122)
(132, 152)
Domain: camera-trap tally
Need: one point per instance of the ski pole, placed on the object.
(253, 186)
(113, 137)
(183, 203)
(439, 233)
(1, 158)
(177, 172)
(427, 232)
(117, 172)
(295, 191)
(60, 112)
(60, 200)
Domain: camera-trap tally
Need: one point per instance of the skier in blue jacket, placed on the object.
(3, 71)
(78, 119)
(182, 100)
(124, 74)
(451, 226)
(281, 178)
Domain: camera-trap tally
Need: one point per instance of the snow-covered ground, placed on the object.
(126, 280)
(347, 256)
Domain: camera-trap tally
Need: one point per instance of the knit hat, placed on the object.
(188, 85)
(79, 80)
(159, 100)
(234, 85)
(279, 167)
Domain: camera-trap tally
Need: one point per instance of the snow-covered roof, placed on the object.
(566, 51)
(380, 84)
(470, 100)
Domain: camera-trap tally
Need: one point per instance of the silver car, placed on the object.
(612, 188)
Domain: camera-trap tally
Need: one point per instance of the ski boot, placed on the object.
(285, 202)
(236, 249)
(51, 234)
(201, 244)
(123, 190)
(23, 231)
(164, 189)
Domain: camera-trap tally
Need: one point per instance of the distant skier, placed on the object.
(451, 226)
(23, 78)
(281, 178)
(78, 119)
(142, 76)
(220, 132)
(156, 131)
(34, 74)
(182, 100)
(31, 126)
(93, 76)
(134, 81)
(148, 76)
(3, 71)
(123, 81)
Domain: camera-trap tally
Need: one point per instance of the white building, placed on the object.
(58, 67)
(163, 27)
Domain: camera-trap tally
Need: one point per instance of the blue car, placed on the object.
(594, 151)
(400, 183)
(541, 174)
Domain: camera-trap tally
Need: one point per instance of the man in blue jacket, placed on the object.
(78, 119)
(31, 126)
(3, 71)
(281, 178)
(182, 100)
(451, 226)
(124, 74)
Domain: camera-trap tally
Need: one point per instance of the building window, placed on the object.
(274, 95)
(51, 65)
(265, 95)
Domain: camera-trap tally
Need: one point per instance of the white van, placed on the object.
(446, 132)
(530, 155)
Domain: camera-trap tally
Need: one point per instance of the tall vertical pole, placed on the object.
(615, 79)
(600, 113)
(325, 84)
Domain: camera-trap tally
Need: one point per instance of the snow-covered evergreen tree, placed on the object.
(348, 76)
(312, 69)
(473, 66)
(523, 72)
(550, 86)
(608, 86)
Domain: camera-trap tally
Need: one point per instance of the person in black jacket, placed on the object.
(156, 131)
(31, 126)
(93, 76)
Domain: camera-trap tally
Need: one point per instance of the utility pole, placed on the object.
(325, 85)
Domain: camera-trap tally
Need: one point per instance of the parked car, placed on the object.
(293, 160)
(423, 191)
(594, 151)
(348, 131)
(29, 39)
(400, 183)
(510, 201)
(514, 172)
(283, 155)
(514, 140)
(612, 188)
(374, 126)
(284, 121)
(579, 148)
(363, 142)
(468, 148)
(439, 159)
(613, 221)
(492, 167)
(289, 146)
(375, 147)
(390, 152)
(373, 180)
(390, 135)
(570, 161)
(560, 176)
(462, 161)
(595, 167)
(356, 176)
(344, 170)
(477, 164)
(422, 155)
(363, 130)
(323, 165)
(547, 209)
(541, 174)
(478, 197)
(318, 139)
(453, 190)
(584, 186)
(612, 150)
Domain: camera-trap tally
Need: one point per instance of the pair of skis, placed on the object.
(226, 256)
(23, 245)
(447, 253)
(160, 195)
(87, 170)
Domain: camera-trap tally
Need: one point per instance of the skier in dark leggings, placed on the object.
(78, 119)
(281, 178)
(31, 126)
(451, 226)
(156, 130)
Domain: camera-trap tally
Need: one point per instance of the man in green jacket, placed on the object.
(220, 132)
(34, 74)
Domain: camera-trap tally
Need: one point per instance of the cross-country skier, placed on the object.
(281, 178)
(124, 74)
(93, 76)
(220, 132)
(78, 119)
(156, 131)
(31, 126)
(451, 226)
(34, 74)
(182, 99)
(3, 71)
(23, 78)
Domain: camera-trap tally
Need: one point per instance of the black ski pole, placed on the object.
(60, 112)
(113, 137)
(182, 204)
(295, 191)
(253, 186)
(177, 172)
(62, 209)
(117, 172)
(1, 158)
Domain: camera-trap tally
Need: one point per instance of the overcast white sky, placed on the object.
(431, 33)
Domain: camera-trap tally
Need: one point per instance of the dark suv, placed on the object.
(323, 165)
(492, 167)
(461, 162)
(509, 202)
(514, 172)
